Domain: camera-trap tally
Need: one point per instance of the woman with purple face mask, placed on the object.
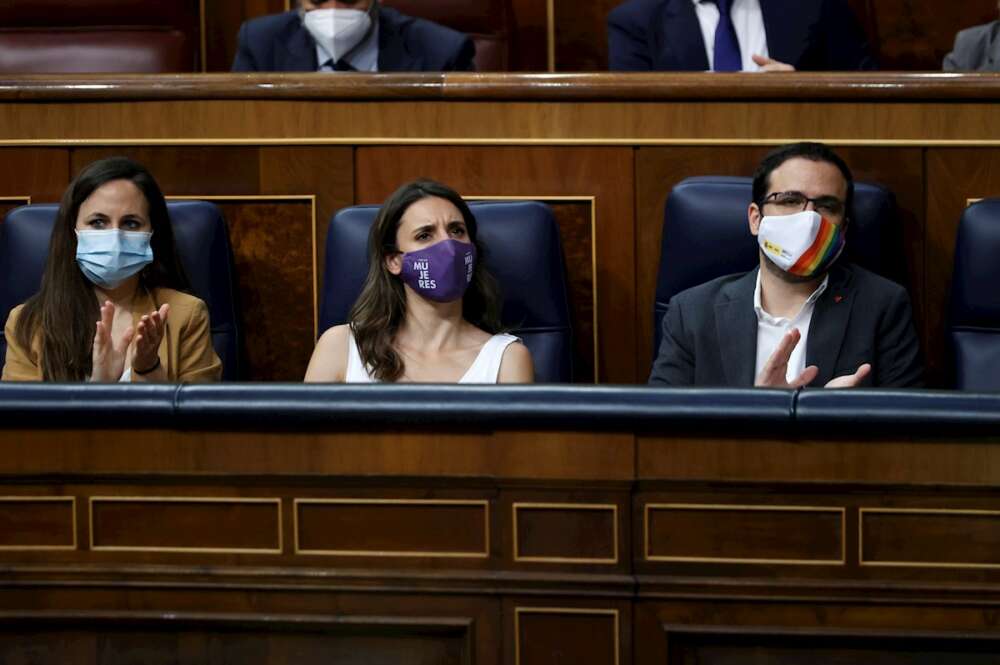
(429, 310)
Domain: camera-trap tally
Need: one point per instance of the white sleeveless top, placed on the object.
(484, 368)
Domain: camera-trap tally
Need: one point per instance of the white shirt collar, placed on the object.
(762, 315)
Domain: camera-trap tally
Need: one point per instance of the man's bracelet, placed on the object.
(147, 371)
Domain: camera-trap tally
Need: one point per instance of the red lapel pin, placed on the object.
(838, 298)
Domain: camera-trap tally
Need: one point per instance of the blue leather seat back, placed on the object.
(975, 298)
(705, 235)
(523, 252)
(203, 245)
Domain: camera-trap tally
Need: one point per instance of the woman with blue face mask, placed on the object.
(112, 305)
(429, 310)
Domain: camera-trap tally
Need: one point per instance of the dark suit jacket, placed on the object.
(710, 333)
(280, 43)
(976, 49)
(664, 35)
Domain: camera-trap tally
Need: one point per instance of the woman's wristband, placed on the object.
(147, 371)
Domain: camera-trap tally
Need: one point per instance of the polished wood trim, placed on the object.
(613, 613)
(607, 86)
(499, 141)
(528, 505)
(310, 199)
(484, 503)
(550, 34)
(38, 499)
(183, 499)
(737, 507)
(920, 511)
(202, 37)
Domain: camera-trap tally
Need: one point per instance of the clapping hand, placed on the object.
(776, 367)
(108, 356)
(149, 334)
(775, 370)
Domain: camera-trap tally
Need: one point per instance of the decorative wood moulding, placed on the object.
(577, 635)
(798, 86)
(30, 523)
(929, 538)
(574, 533)
(279, 199)
(437, 528)
(203, 525)
(714, 533)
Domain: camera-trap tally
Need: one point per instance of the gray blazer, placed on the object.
(976, 50)
(710, 333)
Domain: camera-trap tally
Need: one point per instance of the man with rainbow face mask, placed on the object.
(803, 317)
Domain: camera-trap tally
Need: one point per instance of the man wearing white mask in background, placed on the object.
(803, 317)
(349, 35)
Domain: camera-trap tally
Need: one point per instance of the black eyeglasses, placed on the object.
(791, 202)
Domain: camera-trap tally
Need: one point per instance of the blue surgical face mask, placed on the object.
(109, 257)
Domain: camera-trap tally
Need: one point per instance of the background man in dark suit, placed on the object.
(801, 318)
(976, 49)
(349, 35)
(686, 35)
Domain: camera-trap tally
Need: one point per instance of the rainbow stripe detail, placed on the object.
(822, 252)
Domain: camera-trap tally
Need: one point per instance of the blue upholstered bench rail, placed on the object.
(292, 407)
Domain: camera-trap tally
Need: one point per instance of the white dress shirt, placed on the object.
(749, 23)
(771, 329)
(364, 58)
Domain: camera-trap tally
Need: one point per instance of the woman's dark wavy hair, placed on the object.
(381, 307)
(64, 310)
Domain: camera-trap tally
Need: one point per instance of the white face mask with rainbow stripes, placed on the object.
(804, 244)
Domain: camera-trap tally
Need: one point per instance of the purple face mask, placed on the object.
(441, 272)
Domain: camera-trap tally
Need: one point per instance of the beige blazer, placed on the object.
(185, 352)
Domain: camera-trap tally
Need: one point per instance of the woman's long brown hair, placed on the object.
(64, 310)
(380, 309)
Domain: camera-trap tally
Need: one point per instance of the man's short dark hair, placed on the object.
(815, 152)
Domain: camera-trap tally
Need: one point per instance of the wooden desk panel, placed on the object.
(496, 546)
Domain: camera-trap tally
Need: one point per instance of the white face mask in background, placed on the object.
(338, 31)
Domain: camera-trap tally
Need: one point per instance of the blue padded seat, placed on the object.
(975, 300)
(523, 252)
(705, 235)
(202, 242)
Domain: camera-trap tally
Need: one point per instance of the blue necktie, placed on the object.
(727, 46)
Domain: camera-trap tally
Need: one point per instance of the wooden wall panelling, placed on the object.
(326, 172)
(545, 631)
(581, 35)
(953, 177)
(222, 24)
(828, 633)
(566, 528)
(39, 173)
(604, 173)
(243, 626)
(531, 38)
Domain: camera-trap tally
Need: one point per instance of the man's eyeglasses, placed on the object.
(790, 202)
